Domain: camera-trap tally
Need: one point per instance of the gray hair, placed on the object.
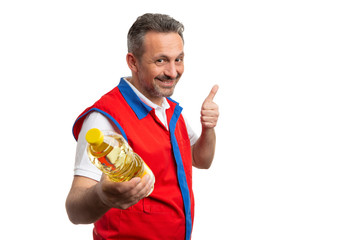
(150, 22)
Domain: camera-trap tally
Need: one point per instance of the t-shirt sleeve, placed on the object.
(192, 135)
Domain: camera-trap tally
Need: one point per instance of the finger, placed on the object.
(209, 113)
(142, 189)
(135, 181)
(209, 105)
(212, 93)
(148, 186)
(120, 187)
(132, 191)
(209, 119)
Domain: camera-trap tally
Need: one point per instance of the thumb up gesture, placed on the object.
(210, 110)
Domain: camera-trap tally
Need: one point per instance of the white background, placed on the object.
(287, 160)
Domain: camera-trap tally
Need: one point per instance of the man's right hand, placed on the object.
(88, 200)
(123, 195)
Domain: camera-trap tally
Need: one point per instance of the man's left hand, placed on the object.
(210, 110)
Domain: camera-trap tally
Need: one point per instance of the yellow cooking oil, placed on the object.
(111, 153)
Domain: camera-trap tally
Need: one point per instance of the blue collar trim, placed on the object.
(180, 171)
(139, 107)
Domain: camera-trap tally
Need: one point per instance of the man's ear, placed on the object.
(132, 62)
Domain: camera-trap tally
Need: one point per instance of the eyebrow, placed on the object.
(181, 54)
(166, 56)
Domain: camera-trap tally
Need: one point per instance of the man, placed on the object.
(140, 109)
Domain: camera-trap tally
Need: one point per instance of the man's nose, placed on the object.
(171, 70)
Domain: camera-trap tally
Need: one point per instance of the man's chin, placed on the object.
(166, 92)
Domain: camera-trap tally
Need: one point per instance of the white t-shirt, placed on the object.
(83, 166)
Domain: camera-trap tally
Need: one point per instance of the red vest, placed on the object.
(168, 212)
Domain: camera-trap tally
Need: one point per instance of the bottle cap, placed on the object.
(94, 137)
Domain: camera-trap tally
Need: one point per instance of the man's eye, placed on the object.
(179, 60)
(160, 61)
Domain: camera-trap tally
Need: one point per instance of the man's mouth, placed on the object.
(166, 81)
(166, 78)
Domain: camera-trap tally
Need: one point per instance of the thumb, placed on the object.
(212, 93)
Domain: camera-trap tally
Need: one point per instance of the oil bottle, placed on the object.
(111, 153)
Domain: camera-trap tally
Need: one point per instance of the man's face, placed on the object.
(161, 65)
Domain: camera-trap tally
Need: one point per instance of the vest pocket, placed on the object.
(148, 205)
(152, 206)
